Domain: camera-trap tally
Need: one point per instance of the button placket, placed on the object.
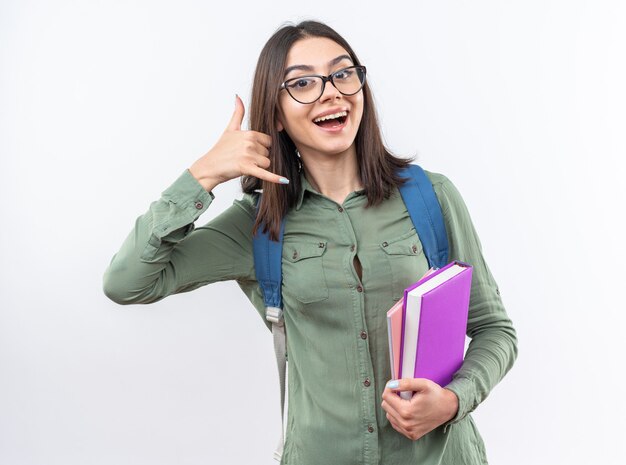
(365, 367)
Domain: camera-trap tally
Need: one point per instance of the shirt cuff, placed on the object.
(174, 214)
(187, 200)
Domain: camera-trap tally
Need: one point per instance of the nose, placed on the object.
(330, 92)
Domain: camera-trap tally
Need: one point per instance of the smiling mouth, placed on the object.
(332, 122)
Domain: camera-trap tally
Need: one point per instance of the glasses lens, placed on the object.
(349, 81)
(305, 89)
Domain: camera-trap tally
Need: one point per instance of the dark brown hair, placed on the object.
(377, 166)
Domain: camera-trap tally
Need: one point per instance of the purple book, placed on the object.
(434, 323)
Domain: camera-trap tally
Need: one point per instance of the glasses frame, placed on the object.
(324, 79)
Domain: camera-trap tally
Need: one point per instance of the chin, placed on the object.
(334, 147)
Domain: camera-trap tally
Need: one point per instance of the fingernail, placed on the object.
(236, 95)
(283, 181)
(393, 384)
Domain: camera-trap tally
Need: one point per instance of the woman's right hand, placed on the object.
(236, 153)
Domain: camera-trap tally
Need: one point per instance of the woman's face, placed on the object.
(317, 55)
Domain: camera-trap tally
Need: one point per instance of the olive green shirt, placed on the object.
(335, 322)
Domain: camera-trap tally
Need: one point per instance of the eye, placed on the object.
(343, 74)
(301, 83)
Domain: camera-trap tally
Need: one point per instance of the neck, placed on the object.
(334, 176)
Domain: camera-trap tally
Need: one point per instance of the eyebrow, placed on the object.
(332, 62)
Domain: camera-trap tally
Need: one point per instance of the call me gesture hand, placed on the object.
(236, 153)
(430, 406)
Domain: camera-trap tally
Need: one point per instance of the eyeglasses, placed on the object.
(308, 89)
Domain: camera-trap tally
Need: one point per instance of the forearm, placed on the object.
(143, 271)
(490, 355)
(493, 347)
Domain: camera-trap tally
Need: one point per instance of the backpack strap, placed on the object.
(425, 212)
(268, 270)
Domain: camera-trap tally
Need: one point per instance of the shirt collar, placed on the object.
(306, 186)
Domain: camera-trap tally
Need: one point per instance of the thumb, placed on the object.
(409, 384)
(237, 118)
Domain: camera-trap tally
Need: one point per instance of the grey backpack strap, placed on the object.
(280, 349)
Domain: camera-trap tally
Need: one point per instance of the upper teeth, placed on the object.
(334, 115)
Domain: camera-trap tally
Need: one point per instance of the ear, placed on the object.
(279, 118)
(279, 123)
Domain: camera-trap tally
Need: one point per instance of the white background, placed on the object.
(104, 104)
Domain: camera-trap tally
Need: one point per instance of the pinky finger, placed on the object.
(394, 423)
(267, 176)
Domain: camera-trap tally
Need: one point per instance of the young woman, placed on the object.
(350, 248)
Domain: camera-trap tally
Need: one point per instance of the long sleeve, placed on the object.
(165, 254)
(493, 346)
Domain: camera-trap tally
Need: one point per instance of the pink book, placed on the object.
(434, 323)
(394, 329)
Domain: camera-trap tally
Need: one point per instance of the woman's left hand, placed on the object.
(430, 407)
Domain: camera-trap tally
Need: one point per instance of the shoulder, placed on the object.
(453, 206)
(247, 204)
(448, 195)
(437, 179)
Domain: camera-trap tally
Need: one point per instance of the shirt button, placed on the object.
(359, 288)
(199, 205)
(340, 209)
(385, 244)
(363, 335)
(367, 382)
(295, 255)
(352, 248)
(414, 248)
(370, 428)
(321, 245)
